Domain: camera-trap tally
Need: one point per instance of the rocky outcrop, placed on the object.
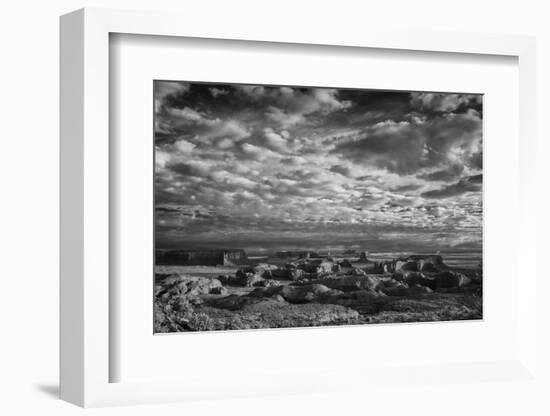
(450, 279)
(316, 266)
(351, 283)
(406, 290)
(414, 263)
(288, 273)
(316, 291)
(440, 280)
(245, 277)
(264, 270)
(296, 294)
(219, 291)
(267, 283)
(183, 285)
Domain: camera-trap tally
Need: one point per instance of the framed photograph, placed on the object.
(341, 194)
(295, 206)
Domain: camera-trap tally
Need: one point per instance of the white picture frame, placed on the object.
(85, 206)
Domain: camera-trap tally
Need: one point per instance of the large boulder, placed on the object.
(415, 278)
(306, 293)
(250, 280)
(244, 272)
(219, 290)
(358, 272)
(288, 273)
(317, 266)
(296, 294)
(406, 266)
(243, 278)
(405, 290)
(351, 283)
(264, 270)
(420, 263)
(267, 283)
(389, 282)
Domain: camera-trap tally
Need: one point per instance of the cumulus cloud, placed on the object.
(258, 152)
(283, 118)
(275, 141)
(162, 89)
(187, 120)
(442, 102)
(185, 147)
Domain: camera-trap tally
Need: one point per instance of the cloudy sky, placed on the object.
(267, 168)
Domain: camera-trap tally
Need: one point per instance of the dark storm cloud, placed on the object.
(469, 184)
(444, 103)
(407, 187)
(446, 175)
(341, 169)
(189, 170)
(405, 147)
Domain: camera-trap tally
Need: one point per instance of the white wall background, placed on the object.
(29, 210)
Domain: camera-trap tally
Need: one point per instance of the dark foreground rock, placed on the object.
(313, 292)
(272, 312)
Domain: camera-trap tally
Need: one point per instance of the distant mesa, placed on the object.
(363, 257)
(225, 257)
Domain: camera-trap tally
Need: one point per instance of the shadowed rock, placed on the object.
(350, 283)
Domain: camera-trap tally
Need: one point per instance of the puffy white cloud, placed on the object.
(225, 143)
(328, 101)
(258, 152)
(442, 102)
(275, 141)
(185, 147)
(193, 122)
(283, 118)
(165, 88)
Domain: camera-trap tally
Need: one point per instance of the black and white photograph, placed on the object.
(298, 206)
